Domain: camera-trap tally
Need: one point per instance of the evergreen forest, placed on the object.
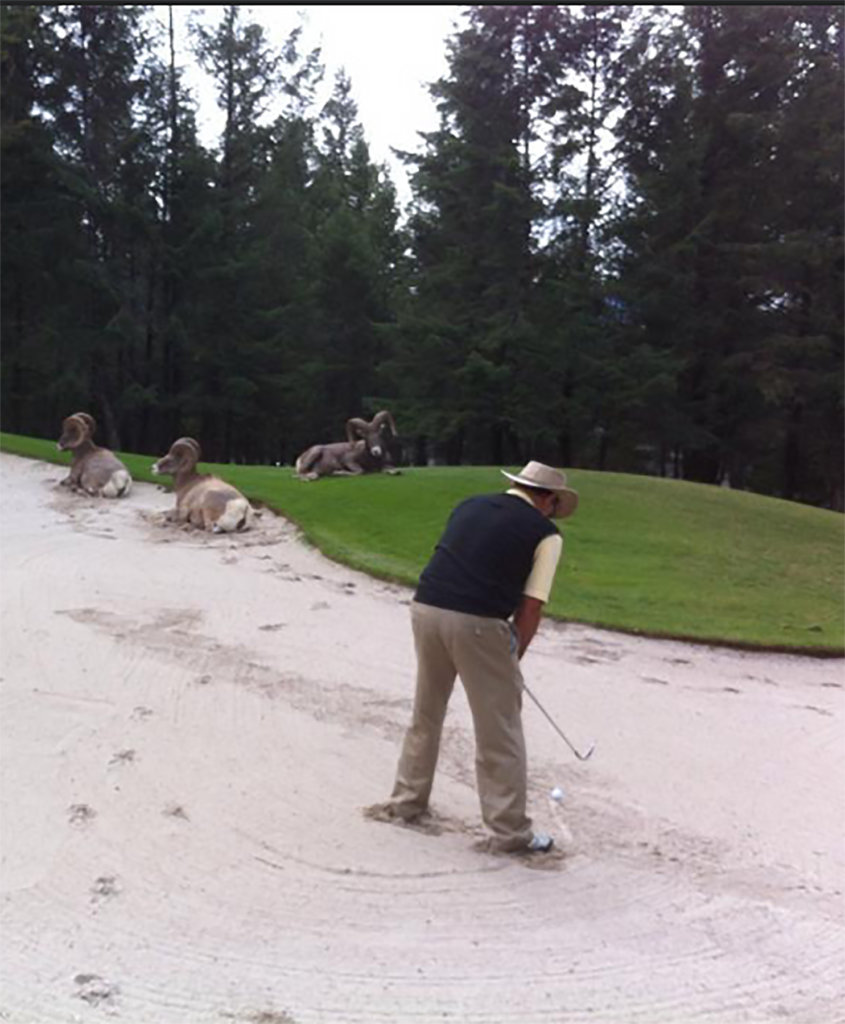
(623, 248)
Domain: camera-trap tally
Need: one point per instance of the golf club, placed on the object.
(577, 753)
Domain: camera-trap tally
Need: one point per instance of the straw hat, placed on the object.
(538, 475)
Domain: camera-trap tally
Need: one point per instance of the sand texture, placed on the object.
(194, 725)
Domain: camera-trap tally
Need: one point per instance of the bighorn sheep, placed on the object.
(365, 450)
(96, 471)
(201, 499)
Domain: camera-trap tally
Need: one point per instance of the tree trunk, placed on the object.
(564, 448)
(792, 454)
(455, 449)
(702, 465)
(112, 435)
(604, 444)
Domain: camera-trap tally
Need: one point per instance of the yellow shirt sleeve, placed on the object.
(546, 557)
(542, 575)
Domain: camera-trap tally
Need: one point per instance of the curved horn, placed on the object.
(188, 442)
(384, 417)
(75, 432)
(75, 422)
(355, 428)
(186, 447)
(88, 420)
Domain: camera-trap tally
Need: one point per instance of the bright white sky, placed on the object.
(391, 52)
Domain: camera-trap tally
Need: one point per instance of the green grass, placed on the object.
(651, 556)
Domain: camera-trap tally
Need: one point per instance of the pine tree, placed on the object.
(250, 78)
(793, 270)
(353, 214)
(38, 222)
(465, 330)
(186, 228)
(88, 86)
(710, 262)
(582, 347)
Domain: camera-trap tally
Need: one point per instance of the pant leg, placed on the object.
(490, 672)
(435, 679)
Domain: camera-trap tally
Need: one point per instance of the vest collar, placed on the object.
(519, 493)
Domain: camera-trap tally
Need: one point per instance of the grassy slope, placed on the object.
(655, 556)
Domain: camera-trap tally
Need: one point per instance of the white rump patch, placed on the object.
(119, 485)
(238, 511)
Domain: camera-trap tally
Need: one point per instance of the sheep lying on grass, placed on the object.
(365, 450)
(201, 499)
(96, 471)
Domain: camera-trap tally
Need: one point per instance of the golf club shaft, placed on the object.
(577, 753)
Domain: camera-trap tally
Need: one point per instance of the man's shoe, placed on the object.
(540, 842)
(390, 812)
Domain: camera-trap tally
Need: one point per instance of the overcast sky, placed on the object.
(390, 52)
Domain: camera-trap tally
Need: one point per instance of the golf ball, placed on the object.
(556, 793)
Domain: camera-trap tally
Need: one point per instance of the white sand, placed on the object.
(192, 725)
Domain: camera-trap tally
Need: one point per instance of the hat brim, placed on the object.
(567, 502)
(567, 499)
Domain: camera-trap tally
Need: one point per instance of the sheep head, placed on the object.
(374, 433)
(184, 454)
(75, 430)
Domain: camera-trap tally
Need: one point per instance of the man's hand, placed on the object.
(526, 619)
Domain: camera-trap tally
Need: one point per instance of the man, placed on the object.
(495, 562)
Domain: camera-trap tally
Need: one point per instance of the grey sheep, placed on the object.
(94, 470)
(366, 450)
(201, 499)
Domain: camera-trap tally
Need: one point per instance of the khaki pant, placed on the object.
(479, 650)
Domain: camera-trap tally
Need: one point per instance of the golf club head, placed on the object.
(557, 729)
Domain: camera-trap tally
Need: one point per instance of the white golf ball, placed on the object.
(556, 793)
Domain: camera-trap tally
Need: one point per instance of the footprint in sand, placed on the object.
(263, 1017)
(552, 860)
(430, 822)
(104, 888)
(175, 811)
(812, 707)
(123, 757)
(80, 815)
(284, 573)
(94, 990)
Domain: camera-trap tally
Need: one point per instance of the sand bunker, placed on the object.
(193, 726)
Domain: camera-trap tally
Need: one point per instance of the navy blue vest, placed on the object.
(484, 557)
